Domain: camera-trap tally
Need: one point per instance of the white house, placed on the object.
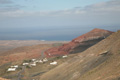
(53, 63)
(49, 54)
(40, 61)
(11, 69)
(45, 60)
(36, 61)
(33, 64)
(33, 59)
(24, 64)
(65, 56)
(15, 66)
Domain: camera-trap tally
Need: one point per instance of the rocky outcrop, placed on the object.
(80, 43)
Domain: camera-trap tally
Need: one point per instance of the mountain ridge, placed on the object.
(99, 62)
(80, 43)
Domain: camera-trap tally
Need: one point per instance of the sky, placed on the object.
(56, 19)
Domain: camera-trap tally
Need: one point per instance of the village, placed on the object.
(33, 63)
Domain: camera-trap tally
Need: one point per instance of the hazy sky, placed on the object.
(56, 19)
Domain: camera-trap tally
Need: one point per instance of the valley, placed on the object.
(6, 45)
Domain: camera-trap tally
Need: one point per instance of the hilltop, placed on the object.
(80, 43)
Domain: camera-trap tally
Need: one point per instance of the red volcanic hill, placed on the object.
(80, 43)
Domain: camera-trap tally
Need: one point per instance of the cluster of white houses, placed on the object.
(33, 63)
(12, 68)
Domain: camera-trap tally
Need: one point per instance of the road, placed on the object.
(24, 67)
(20, 73)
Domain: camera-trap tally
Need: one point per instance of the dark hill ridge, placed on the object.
(80, 43)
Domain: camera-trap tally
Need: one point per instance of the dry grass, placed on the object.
(18, 55)
(90, 65)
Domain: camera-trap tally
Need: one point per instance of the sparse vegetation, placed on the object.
(57, 44)
(3, 68)
(27, 61)
(88, 65)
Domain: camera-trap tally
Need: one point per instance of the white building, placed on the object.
(45, 60)
(33, 64)
(25, 64)
(15, 66)
(49, 54)
(40, 61)
(11, 69)
(33, 59)
(65, 56)
(53, 63)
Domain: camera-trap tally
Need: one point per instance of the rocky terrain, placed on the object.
(80, 43)
(99, 62)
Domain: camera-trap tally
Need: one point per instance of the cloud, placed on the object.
(104, 13)
(78, 19)
(112, 6)
(103, 8)
(5, 2)
(8, 7)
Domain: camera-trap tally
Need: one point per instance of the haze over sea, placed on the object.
(54, 20)
(52, 34)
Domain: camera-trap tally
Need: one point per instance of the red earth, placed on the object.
(80, 43)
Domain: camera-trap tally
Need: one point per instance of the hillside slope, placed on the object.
(6, 45)
(99, 62)
(80, 43)
(3, 79)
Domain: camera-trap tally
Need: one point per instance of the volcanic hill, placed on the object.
(99, 62)
(80, 43)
